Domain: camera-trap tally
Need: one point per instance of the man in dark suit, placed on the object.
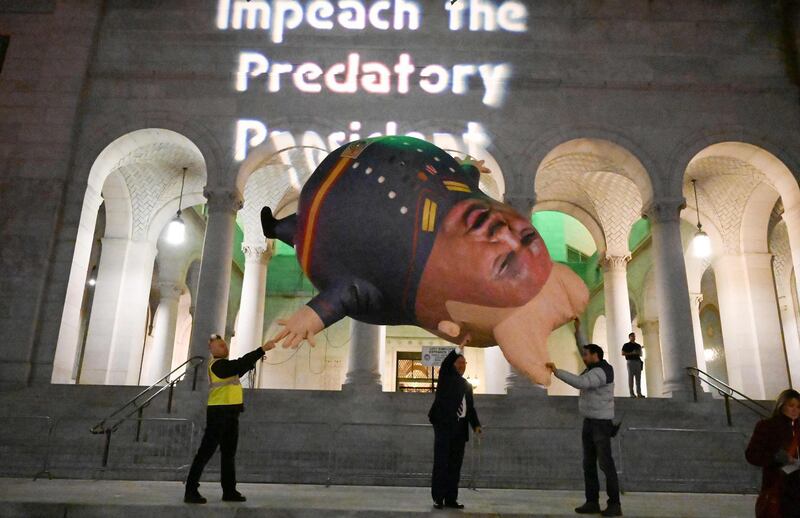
(452, 414)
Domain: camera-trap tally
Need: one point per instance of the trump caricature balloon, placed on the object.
(393, 230)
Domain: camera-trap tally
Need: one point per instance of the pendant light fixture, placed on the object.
(701, 242)
(176, 230)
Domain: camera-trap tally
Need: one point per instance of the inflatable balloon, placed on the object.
(394, 230)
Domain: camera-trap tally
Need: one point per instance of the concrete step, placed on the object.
(111, 499)
(382, 439)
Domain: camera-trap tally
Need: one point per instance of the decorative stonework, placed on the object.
(521, 203)
(258, 253)
(599, 187)
(616, 263)
(152, 174)
(664, 210)
(724, 186)
(782, 253)
(223, 200)
(170, 290)
(276, 181)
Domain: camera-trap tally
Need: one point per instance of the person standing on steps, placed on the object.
(775, 447)
(596, 405)
(452, 414)
(633, 353)
(225, 403)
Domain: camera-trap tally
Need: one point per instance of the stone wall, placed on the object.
(660, 80)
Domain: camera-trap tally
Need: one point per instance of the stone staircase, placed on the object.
(351, 437)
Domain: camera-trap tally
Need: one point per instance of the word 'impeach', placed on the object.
(373, 77)
(280, 16)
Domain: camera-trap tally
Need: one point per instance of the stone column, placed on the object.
(116, 331)
(211, 307)
(159, 359)
(69, 332)
(694, 304)
(250, 328)
(738, 330)
(672, 289)
(495, 370)
(618, 317)
(363, 366)
(792, 218)
(767, 323)
(652, 358)
(791, 337)
(750, 324)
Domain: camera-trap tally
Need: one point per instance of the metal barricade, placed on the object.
(713, 459)
(283, 452)
(527, 456)
(153, 444)
(370, 453)
(23, 445)
(71, 451)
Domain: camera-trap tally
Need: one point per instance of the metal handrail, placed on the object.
(101, 427)
(727, 392)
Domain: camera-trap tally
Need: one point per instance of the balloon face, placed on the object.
(486, 253)
(394, 230)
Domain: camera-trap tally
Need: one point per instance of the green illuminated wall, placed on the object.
(559, 230)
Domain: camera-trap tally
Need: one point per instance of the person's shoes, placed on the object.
(641, 396)
(588, 508)
(454, 505)
(438, 505)
(193, 497)
(612, 510)
(234, 497)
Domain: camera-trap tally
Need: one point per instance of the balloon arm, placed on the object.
(303, 324)
(351, 299)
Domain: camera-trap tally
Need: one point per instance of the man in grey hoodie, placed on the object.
(596, 405)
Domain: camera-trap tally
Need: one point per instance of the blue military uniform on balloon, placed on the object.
(373, 226)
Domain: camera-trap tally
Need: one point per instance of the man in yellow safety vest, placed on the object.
(225, 403)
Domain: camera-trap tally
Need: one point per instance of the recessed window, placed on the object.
(576, 256)
(3, 46)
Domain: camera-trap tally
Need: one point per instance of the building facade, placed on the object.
(116, 114)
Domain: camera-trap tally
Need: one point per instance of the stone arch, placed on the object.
(135, 174)
(94, 140)
(753, 149)
(602, 178)
(538, 151)
(599, 332)
(273, 176)
(586, 219)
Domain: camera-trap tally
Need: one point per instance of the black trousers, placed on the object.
(635, 374)
(597, 450)
(448, 455)
(222, 429)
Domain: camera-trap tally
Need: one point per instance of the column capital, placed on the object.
(258, 252)
(170, 289)
(618, 263)
(219, 200)
(695, 299)
(664, 210)
(649, 326)
(521, 202)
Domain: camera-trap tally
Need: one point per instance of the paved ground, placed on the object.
(112, 499)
